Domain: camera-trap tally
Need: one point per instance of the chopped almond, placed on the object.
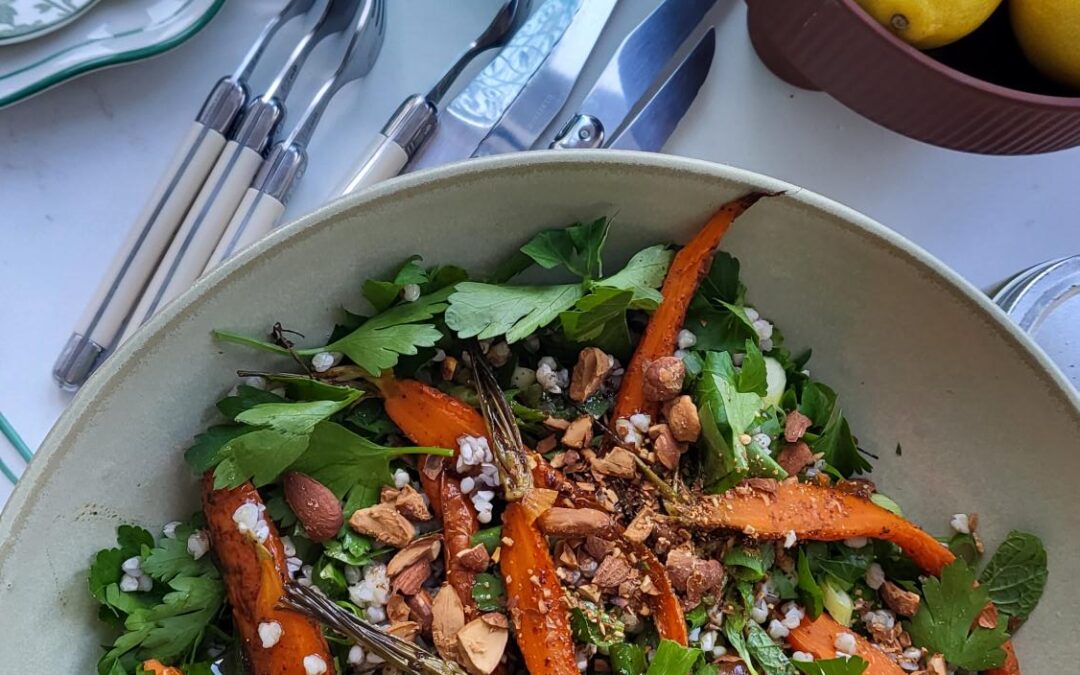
(447, 619)
(546, 444)
(448, 368)
(406, 630)
(397, 610)
(411, 504)
(591, 368)
(904, 603)
(795, 457)
(795, 426)
(664, 378)
(693, 576)
(420, 609)
(641, 526)
(385, 524)
(668, 450)
(565, 522)
(612, 571)
(988, 617)
(412, 578)
(579, 434)
(481, 644)
(682, 417)
(618, 463)
(421, 549)
(475, 559)
(598, 547)
(556, 423)
(936, 665)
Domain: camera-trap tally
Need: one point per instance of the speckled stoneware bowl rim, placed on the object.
(1007, 93)
(81, 411)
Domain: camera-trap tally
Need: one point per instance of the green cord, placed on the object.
(15, 438)
(7, 472)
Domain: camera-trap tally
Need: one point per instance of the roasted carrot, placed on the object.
(814, 513)
(1011, 666)
(541, 620)
(159, 668)
(687, 269)
(818, 637)
(253, 592)
(432, 418)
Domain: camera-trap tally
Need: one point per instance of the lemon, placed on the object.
(927, 24)
(1049, 34)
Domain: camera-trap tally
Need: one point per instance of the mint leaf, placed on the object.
(487, 311)
(749, 563)
(944, 621)
(733, 627)
(643, 274)
(1016, 575)
(577, 248)
(340, 459)
(850, 666)
(765, 652)
(671, 658)
(602, 631)
(809, 590)
(488, 592)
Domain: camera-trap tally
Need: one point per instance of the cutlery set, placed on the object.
(231, 178)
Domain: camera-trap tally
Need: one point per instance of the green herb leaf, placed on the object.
(944, 621)
(722, 283)
(749, 563)
(382, 294)
(850, 666)
(378, 343)
(340, 459)
(627, 659)
(490, 537)
(105, 569)
(487, 311)
(1016, 575)
(839, 448)
(723, 329)
(488, 592)
(599, 319)
(817, 402)
(887, 503)
(170, 559)
(733, 627)
(204, 453)
(697, 617)
(765, 652)
(752, 374)
(576, 247)
(643, 274)
(603, 631)
(809, 590)
(330, 579)
(246, 397)
(673, 659)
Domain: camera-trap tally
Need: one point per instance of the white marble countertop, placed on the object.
(77, 162)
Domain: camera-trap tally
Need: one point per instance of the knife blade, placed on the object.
(469, 117)
(546, 93)
(632, 71)
(650, 128)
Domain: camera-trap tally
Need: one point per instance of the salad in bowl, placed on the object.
(615, 472)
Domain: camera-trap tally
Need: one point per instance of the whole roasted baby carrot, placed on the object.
(687, 269)
(254, 593)
(813, 513)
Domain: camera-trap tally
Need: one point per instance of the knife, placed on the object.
(650, 128)
(633, 70)
(545, 95)
(469, 117)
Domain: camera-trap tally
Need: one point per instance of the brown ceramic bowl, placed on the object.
(978, 94)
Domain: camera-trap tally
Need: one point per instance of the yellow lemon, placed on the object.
(1049, 34)
(927, 24)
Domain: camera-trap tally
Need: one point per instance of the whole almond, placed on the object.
(315, 506)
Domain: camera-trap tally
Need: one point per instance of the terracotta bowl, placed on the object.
(978, 94)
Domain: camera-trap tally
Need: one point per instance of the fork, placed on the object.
(221, 194)
(265, 200)
(99, 326)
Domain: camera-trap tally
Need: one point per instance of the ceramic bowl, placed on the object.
(978, 94)
(919, 357)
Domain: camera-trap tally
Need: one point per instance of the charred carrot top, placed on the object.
(814, 513)
(688, 268)
(430, 417)
(254, 592)
(818, 637)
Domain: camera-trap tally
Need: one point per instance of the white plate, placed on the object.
(115, 32)
(22, 20)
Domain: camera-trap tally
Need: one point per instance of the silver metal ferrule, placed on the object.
(581, 132)
(411, 123)
(280, 172)
(260, 121)
(79, 358)
(221, 107)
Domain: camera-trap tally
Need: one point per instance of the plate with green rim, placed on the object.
(22, 20)
(112, 33)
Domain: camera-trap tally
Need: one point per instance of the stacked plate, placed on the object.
(1045, 302)
(45, 42)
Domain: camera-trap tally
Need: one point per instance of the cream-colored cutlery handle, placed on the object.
(200, 232)
(383, 159)
(100, 324)
(257, 214)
